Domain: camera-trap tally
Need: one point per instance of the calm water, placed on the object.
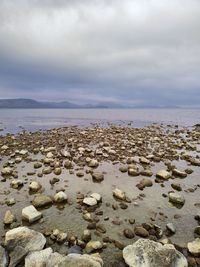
(13, 120)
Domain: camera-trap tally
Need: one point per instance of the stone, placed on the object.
(133, 172)
(57, 171)
(3, 257)
(141, 231)
(93, 245)
(97, 176)
(90, 201)
(68, 164)
(176, 198)
(93, 163)
(194, 247)
(9, 217)
(31, 214)
(179, 173)
(37, 165)
(77, 260)
(119, 194)
(171, 228)
(60, 197)
(176, 186)
(163, 174)
(46, 170)
(6, 171)
(144, 183)
(86, 237)
(147, 253)
(97, 196)
(38, 258)
(35, 186)
(129, 233)
(41, 201)
(16, 183)
(20, 241)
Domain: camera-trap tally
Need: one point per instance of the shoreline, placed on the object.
(82, 161)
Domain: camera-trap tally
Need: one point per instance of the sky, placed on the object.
(132, 52)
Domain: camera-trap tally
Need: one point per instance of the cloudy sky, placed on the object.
(133, 52)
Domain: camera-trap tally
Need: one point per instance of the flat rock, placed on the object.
(38, 258)
(163, 174)
(41, 201)
(20, 241)
(90, 201)
(147, 253)
(31, 214)
(179, 173)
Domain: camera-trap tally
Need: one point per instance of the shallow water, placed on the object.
(13, 120)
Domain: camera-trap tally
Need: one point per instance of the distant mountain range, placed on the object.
(30, 103)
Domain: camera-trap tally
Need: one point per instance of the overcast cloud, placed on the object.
(131, 52)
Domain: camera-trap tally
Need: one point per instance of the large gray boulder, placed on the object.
(20, 241)
(147, 253)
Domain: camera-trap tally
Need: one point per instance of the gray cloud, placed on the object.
(131, 51)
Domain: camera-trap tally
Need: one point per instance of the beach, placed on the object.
(111, 185)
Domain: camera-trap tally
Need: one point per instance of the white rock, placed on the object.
(3, 257)
(34, 186)
(90, 201)
(97, 196)
(38, 258)
(147, 253)
(194, 247)
(9, 217)
(93, 245)
(60, 197)
(163, 174)
(176, 198)
(119, 194)
(31, 214)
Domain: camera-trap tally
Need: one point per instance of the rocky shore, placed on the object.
(100, 196)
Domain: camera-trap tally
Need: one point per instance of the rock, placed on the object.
(7, 171)
(194, 247)
(68, 164)
(37, 165)
(90, 201)
(119, 194)
(31, 214)
(3, 257)
(144, 160)
(11, 201)
(16, 183)
(133, 172)
(163, 174)
(179, 173)
(97, 196)
(141, 231)
(9, 217)
(54, 180)
(47, 170)
(93, 163)
(147, 253)
(60, 197)
(57, 171)
(38, 258)
(41, 201)
(97, 176)
(176, 186)
(129, 233)
(93, 245)
(35, 186)
(171, 228)
(20, 241)
(123, 169)
(144, 183)
(176, 198)
(86, 237)
(77, 260)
